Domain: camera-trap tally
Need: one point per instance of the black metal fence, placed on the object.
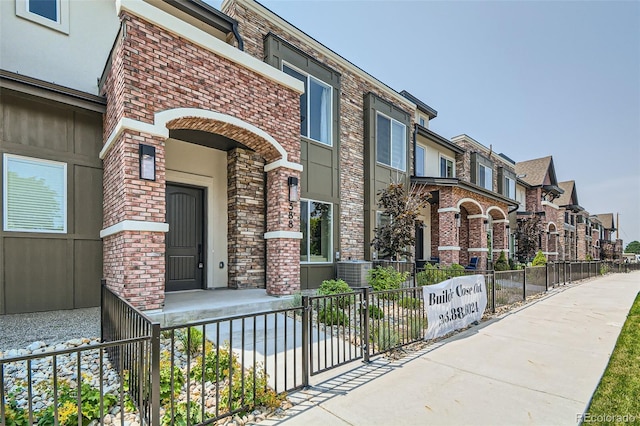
(205, 371)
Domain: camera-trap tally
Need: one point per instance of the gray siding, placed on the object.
(320, 180)
(40, 271)
(378, 176)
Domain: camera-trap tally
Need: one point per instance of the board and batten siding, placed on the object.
(51, 271)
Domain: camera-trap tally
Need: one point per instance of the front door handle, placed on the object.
(200, 262)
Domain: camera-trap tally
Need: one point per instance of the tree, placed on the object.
(527, 238)
(394, 237)
(633, 247)
(539, 260)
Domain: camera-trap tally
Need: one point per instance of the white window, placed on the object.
(485, 177)
(391, 142)
(34, 195)
(315, 107)
(420, 160)
(422, 122)
(447, 167)
(316, 225)
(510, 188)
(50, 13)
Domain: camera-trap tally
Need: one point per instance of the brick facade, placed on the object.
(253, 28)
(154, 70)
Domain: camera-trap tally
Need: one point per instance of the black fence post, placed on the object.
(524, 284)
(546, 277)
(155, 374)
(103, 284)
(493, 291)
(306, 326)
(365, 320)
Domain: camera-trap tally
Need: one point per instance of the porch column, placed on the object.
(283, 234)
(448, 246)
(478, 246)
(134, 221)
(500, 241)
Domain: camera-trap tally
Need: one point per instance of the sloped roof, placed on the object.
(535, 171)
(570, 196)
(607, 220)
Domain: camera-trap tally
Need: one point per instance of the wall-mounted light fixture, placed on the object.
(486, 225)
(294, 191)
(457, 216)
(147, 154)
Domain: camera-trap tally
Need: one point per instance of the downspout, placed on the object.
(236, 34)
(415, 131)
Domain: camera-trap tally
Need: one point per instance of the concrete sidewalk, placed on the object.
(536, 365)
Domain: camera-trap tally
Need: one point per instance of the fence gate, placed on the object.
(333, 330)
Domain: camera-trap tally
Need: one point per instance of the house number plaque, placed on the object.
(291, 214)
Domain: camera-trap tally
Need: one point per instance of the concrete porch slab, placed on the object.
(183, 307)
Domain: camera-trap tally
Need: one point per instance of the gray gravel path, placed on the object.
(17, 331)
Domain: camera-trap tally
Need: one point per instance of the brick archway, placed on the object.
(200, 83)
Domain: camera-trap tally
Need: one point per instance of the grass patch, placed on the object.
(617, 393)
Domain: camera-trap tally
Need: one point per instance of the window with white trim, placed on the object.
(34, 195)
(315, 106)
(510, 188)
(485, 177)
(391, 142)
(447, 167)
(50, 13)
(421, 153)
(316, 224)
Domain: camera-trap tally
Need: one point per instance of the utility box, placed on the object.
(354, 272)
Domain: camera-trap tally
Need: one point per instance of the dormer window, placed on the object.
(481, 171)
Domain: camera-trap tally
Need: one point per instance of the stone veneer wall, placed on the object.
(246, 207)
(253, 28)
(153, 70)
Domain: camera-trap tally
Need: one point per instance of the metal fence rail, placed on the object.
(225, 366)
(205, 371)
(395, 318)
(77, 385)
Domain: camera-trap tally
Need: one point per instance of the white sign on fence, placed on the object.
(454, 304)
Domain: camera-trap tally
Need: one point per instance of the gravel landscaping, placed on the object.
(20, 330)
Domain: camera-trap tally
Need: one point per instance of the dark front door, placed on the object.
(185, 240)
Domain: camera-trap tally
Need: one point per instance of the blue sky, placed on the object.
(532, 79)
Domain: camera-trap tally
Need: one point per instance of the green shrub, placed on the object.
(539, 260)
(374, 312)
(417, 327)
(191, 340)
(180, 417)
(218, 362)
(165, 380)
(68, 408)
(386, 278)
(410, 303)
(331, 287)
(433, 274)
(384, 335)
(501, 264)
(333, 316)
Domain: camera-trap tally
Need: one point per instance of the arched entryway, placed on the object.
(215, 92)
(471, 232)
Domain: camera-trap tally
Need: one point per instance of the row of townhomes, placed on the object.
(165, 145)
